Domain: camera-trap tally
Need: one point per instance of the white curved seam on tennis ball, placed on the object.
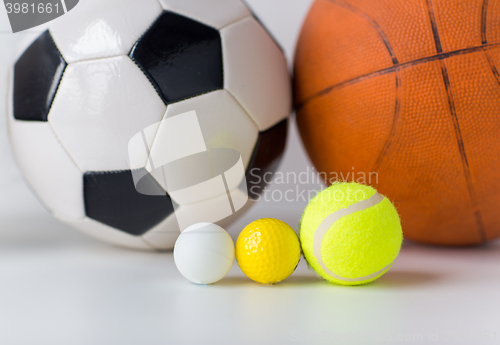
(330, 220)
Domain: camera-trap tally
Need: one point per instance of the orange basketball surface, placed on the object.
(407, 92)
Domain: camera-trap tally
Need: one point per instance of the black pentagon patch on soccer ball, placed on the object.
(181, 57)
(37, 75)
(266, 157)
(111, 198)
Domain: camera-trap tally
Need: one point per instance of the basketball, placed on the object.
(405, 94)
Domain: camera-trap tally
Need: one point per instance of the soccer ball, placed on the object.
(109, 69)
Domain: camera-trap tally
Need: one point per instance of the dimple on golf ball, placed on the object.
(268, 250)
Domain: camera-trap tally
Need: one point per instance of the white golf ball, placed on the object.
(204, 253)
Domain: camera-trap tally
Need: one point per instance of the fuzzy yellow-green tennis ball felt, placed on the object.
(350, 234)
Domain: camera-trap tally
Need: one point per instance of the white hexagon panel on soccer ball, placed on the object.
(99, 106)
(256, 72)
(224, 125)
(215, 13)
(47, 168)
(97, 29)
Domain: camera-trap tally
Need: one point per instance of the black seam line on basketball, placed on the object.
(391, 69)
(373, 23)
(395, 120)
(456, 124)
(484, 40)
(435, 33)
(463, 155)
(484, 16)
(494, 69)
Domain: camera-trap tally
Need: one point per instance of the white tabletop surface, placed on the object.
(58, 286)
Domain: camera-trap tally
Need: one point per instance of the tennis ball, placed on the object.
(350, 234)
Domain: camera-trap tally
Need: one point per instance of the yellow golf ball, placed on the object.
(268, 250)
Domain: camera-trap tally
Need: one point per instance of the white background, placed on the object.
(58, 286)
